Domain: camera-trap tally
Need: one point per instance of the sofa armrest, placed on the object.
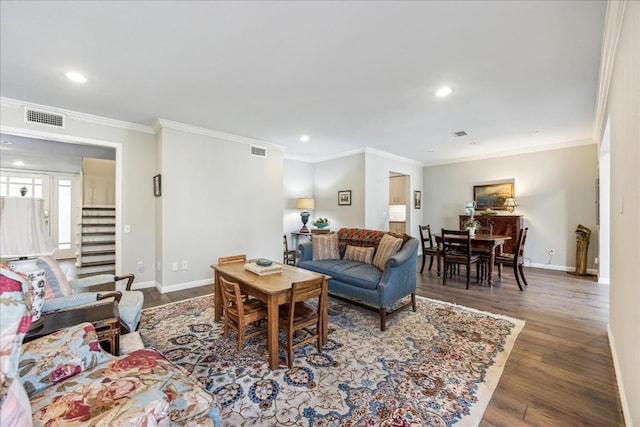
(101, 279)
(306, 251)
(399, 275)
(55, 357)
(71, 301)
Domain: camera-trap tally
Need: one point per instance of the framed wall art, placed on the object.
(492, 195)
(417, 199)
(157, 186)
(344, 198)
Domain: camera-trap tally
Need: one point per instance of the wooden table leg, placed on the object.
(272, 332)
(324, 311)
(492, 259)
(217, 297)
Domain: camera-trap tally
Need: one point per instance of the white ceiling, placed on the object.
(349, 74)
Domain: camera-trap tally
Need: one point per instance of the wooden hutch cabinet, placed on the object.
(507, 225)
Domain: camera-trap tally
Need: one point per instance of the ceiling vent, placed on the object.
(258, 151)
(460, 133)
(43, 118)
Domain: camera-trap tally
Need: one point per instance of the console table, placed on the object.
(507, 225)
(104, 317)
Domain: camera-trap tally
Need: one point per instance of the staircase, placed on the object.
(97, 243)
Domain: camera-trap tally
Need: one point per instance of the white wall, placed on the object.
(217, 200)
(297, 183)
(378, 166)
(332, 176)
(555, 191)
(624, 113)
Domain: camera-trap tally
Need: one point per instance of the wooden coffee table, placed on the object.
(273, 290)
(104, 317)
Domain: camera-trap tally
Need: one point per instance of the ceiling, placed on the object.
(350, 75)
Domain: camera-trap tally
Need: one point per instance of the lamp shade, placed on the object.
(23, 231)
(306, 204)
(510, 201)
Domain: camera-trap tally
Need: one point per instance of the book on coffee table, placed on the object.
(263, 270)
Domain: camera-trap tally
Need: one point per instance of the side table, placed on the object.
(104, 317)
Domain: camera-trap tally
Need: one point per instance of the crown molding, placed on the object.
(550, 147)
(612, 27)
(75, 115)
(160, 123)
(390, 156)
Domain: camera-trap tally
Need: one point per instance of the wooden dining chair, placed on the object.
(456, 250)
(240, 313)
(485, 253)
(289, 256)
(428, 248)
(234, 258)
(297, 316)
(516, 261)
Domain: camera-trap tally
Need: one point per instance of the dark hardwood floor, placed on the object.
(560, 371)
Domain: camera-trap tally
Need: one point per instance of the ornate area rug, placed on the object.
(438, 366)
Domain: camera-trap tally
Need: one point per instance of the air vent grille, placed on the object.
(258, 151)
(44, 118)
(460, 133)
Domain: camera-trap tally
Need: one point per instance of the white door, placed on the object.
(57, 193)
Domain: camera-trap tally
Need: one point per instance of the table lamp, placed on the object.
(511, 204)
(305, 203)
(24, 235)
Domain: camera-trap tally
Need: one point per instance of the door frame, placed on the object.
(69, 139)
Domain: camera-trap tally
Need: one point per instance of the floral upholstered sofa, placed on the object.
(67, 379)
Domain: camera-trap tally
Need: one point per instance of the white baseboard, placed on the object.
(590, 271)
(183, 286)
(142, 285)
(623, 397)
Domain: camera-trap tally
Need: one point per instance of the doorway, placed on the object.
(62, 148)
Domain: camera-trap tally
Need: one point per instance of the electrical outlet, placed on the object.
(185, 265)
(596, 261)
(140, 266)
(552, 251)
(174, 266)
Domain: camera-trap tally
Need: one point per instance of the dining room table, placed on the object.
(491, 243)
(272, 289)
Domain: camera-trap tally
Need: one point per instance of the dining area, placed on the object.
(483, 247)
(261, 297)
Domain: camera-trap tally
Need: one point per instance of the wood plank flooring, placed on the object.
(560, 371)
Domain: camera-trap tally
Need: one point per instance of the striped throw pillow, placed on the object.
(56, 284)
(325, 247)
(355, 253)
(387, 247)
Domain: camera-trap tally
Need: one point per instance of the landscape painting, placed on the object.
(492, 195)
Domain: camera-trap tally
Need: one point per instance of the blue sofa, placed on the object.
(365, 284)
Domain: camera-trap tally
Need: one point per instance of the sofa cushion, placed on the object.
(355, 273)
(325, 247)
(16, 408)
(387, 247)
(44, 362)
(128, 383)
(56, 284)
(354, 253)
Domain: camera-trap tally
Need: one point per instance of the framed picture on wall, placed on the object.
(417, 199)
(492, 195)
(344, 198)
(157, 186)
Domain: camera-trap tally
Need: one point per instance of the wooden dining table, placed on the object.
(274, 290)
(492, 243)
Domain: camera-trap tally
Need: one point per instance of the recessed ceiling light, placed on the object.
(18, 163)
(76, 77)
(443, 91)
(304, 138)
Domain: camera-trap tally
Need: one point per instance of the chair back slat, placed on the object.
(232, 258)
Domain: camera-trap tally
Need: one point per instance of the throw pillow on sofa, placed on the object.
(325, 247)
(360, 254)
(387, 247)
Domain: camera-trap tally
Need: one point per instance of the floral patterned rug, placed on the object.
(438, 366)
